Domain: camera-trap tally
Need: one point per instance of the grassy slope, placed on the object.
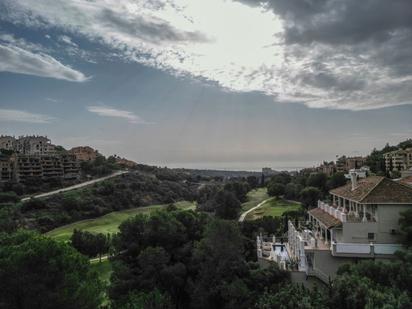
(254, 198)
(104, 269)
(273, 207)
(108, 223)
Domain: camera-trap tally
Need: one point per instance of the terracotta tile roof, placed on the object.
(406, 181)
(376, 190)
(328, 220)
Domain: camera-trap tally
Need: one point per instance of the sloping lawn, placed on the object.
(273, 207)
(108, 223)
(254, 198)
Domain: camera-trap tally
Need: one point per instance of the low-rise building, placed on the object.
(84, 153)
(361, 222)
(344, 164)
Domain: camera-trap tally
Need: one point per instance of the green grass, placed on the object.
(254, 198)
(108, 223)
(104, 269)
(274, 208)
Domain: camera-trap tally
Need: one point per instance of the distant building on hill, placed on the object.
(125, 163)
(344, 164)
(84, 153)
(398, 160)
(27, 145)
(267, 172)
(328, 168)
(34, 157)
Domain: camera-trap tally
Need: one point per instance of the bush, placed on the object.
(9, 197)
(33, 204)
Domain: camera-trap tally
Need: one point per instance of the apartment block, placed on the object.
(22, 168)
(398, 160)
(7, 167)
(27, 145)
(7, 142)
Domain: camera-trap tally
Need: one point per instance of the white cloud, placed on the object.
(239, 47)
(14, 115)
(66, 39)
(117, 113)
(17, 60)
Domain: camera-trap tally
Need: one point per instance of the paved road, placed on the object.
(80, 185)
(243, 216)
(94, 260)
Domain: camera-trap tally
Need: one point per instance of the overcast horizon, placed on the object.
(209, 84)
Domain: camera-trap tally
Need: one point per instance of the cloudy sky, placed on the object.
(212, 84)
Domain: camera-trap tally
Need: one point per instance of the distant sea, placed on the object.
(242, 166)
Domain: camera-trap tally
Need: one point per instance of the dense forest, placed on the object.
(187, 259)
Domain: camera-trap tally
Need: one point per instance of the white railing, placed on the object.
(334, 212)
(386, 248)
(353, 248)
(365, 249)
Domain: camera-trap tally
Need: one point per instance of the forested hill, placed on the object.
(140, 187)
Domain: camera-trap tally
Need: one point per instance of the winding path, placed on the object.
(80, 185)
(243, 216)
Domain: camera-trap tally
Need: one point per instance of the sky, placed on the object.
(217, 84)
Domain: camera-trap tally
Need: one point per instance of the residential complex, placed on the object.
(22, 168)
(361, 221)
(27, 145)
(398, 160)
(34, 157)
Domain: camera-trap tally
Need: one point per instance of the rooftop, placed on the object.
(327, 219)
(376, 190)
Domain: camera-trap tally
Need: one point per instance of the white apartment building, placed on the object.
(361, 222)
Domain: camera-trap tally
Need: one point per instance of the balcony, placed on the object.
(333, 211)
(363, 250)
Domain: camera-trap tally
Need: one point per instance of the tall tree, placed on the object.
(38, 272)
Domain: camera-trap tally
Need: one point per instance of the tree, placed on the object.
(317, 180)
(9, 197)
(276, 189)
(145, 300)
(90, 244)
(405, 223)
(227, 205)
(219, 262)
(293, 296)
(253, 181)
(309, 197)
(38, 272)
(292, 191)
(336, 180)
(239, 189)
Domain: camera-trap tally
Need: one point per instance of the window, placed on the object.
(371, 236)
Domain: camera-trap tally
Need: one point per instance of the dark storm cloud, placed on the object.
(359, 40)
(338, 21)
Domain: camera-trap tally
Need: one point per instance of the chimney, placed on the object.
(354, 180)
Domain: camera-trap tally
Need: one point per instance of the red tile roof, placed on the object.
(406, 181)
(376, 190)
(324, 217)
